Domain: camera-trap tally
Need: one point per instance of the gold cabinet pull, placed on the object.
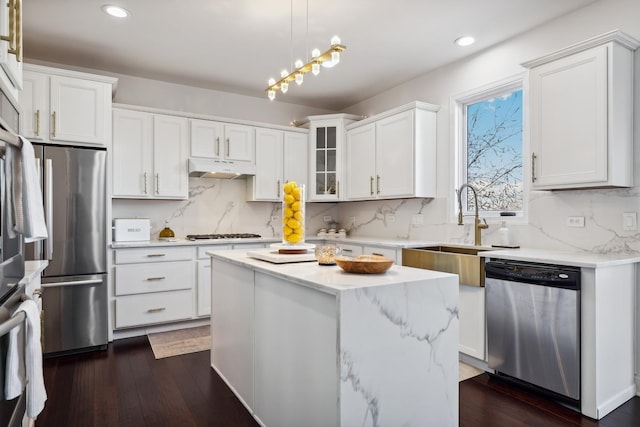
(37, 292)
(152, 279)
(145, 183)
(156, 310)
(338, 189)
(53, 131)
(157, 183)
(378, 184)
(155, 255)
(371, 185)
(37, 122)
(278, 188)
(15, 29)
(228, 144)
(533, 167)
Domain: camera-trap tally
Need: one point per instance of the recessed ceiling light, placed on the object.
(115, 11)
(465, 41)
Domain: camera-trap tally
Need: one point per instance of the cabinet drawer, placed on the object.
(386, 252)
(202, 250)
(156, 277)
(128, 256)
(350, 250)
(136, 310)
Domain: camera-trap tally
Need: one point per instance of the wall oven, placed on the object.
(11, 269)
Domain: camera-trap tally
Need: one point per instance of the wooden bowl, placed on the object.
(365, 264)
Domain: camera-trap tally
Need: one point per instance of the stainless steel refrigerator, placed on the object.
(74, 285)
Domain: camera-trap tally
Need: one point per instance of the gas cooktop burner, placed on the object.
(222, 236)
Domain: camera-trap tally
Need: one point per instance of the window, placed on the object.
(490, 146)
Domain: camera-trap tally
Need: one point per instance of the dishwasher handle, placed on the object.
(557, 276)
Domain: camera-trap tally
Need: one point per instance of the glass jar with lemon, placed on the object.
(293, 214)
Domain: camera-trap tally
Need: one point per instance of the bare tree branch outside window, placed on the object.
(494, 152)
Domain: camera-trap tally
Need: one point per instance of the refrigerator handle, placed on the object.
(72, 283)
(37, 245)
(48, 206)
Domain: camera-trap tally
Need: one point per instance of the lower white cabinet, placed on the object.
(153, 285)
(472, 322)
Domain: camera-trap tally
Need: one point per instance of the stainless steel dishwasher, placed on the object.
(533, 325)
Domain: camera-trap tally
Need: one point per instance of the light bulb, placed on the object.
(271, 94)
(272, 82)
(299, 78)
(284, 87)
(284, 73)
(315, 68)
(335, 57)
(315, 53)
(299, 63)
(335, 40)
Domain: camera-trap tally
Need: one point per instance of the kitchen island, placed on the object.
(304, 344)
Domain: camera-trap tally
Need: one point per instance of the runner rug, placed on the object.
(181, 341)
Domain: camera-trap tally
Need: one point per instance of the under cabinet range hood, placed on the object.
(211, 168)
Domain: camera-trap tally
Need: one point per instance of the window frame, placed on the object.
(459, 103)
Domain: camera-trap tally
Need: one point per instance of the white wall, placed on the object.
(546, 227)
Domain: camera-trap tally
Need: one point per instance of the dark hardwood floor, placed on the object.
(126, 386)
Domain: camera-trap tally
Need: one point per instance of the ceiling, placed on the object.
(237, 45)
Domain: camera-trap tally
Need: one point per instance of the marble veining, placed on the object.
(398, 347)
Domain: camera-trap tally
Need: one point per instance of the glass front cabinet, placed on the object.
(326, 156)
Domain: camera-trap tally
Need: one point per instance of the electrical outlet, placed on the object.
(390, 218)
(326, 218)
(417, 219)
(575, 221)
(630, 221)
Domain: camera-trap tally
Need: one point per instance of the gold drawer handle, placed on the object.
(155, 278)
(156, 310)
(156, 255)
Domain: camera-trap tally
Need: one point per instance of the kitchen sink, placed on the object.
(461, 260)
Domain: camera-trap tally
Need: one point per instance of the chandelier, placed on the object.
(328, 59)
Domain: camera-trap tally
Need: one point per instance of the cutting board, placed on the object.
(272, 255)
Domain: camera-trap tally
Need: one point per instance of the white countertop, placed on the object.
(327, 278)
(570, 258)
(32, 270)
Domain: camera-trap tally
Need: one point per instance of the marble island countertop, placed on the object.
(327, 278)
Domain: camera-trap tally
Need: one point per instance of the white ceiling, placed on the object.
(237, 45)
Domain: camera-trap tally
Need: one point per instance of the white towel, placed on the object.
(34, 227)
(13, 189)
(36, 393)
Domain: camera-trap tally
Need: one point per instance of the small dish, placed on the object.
(365, 264)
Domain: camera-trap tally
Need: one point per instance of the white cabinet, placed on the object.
(281, 156)
(203, 279)
(582, 115)
(326, 156)
(149, 155)
(393, 154)
(61, 106)
(11, 44)
(153, 285)
(222, 141)
(472, 322)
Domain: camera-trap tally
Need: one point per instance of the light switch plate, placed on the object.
(630, 221)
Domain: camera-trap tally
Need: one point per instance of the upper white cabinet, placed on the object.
(66, 107)
(393, 154)
(11, 45)
(222, 141)
(326, 156)
(281, 156)
(582, 115)
(149, 155)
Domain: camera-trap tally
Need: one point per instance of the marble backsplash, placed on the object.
(220, 206)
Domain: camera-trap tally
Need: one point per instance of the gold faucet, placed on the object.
(477, 225)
